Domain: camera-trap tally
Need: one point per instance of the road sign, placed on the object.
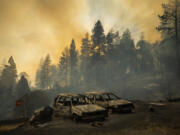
(18, 103)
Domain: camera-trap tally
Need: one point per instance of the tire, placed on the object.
(102, 119)
(130, 110)
(75, 118)
(110, 111)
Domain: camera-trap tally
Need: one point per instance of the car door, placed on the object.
(90, 99)
(99, 100)
(64, 106)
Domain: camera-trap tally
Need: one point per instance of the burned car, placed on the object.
(78, 107)
(110, 101)
(41, 116)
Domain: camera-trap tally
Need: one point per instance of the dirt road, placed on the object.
(165, 120)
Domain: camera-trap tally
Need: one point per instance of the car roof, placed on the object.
(97, 93)
(70, 95)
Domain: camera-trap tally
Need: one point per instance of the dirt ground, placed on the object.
(165, 120)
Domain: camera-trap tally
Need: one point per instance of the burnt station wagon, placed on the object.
(110, 101)
(78, 107)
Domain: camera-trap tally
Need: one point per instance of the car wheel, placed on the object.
(110, 111)
(75, 118)
(102, 119)
(132, 110)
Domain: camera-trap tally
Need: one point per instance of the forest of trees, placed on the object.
(104, 61)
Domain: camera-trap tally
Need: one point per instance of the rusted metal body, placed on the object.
(78, 107)
(110, 101)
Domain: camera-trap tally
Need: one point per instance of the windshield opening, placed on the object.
(105, 97)
(65, 101)
(113, 97)
(79, 101)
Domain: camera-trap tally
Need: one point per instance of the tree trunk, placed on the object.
(177, 35)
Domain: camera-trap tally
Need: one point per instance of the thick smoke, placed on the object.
(31, 29)
(140, 16)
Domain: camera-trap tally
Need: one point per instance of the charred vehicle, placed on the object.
(41, 116)
(110, 101)
(78, 107)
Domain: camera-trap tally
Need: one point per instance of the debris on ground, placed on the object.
(151, 109)
(174, 100)
(97, 124)
(42, 116)
(157, 104)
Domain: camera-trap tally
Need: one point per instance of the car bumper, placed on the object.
(123, 109)
(96, 117)
(101, 116)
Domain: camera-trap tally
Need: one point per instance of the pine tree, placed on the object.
(8, 81)
(9, 74)
(111, 38)
(145, 58)
(38, 74)
(22, 87)
(85, 58)
(170, 25)
(73, 60)
(98, 51)
(64, 67)
(169, 20)
(85, 47)
(126, 53)
(43, 74)
(98, 39)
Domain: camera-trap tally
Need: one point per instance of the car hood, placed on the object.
(89, 108)
(118, 102)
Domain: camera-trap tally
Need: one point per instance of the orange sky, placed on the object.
(30, 29)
